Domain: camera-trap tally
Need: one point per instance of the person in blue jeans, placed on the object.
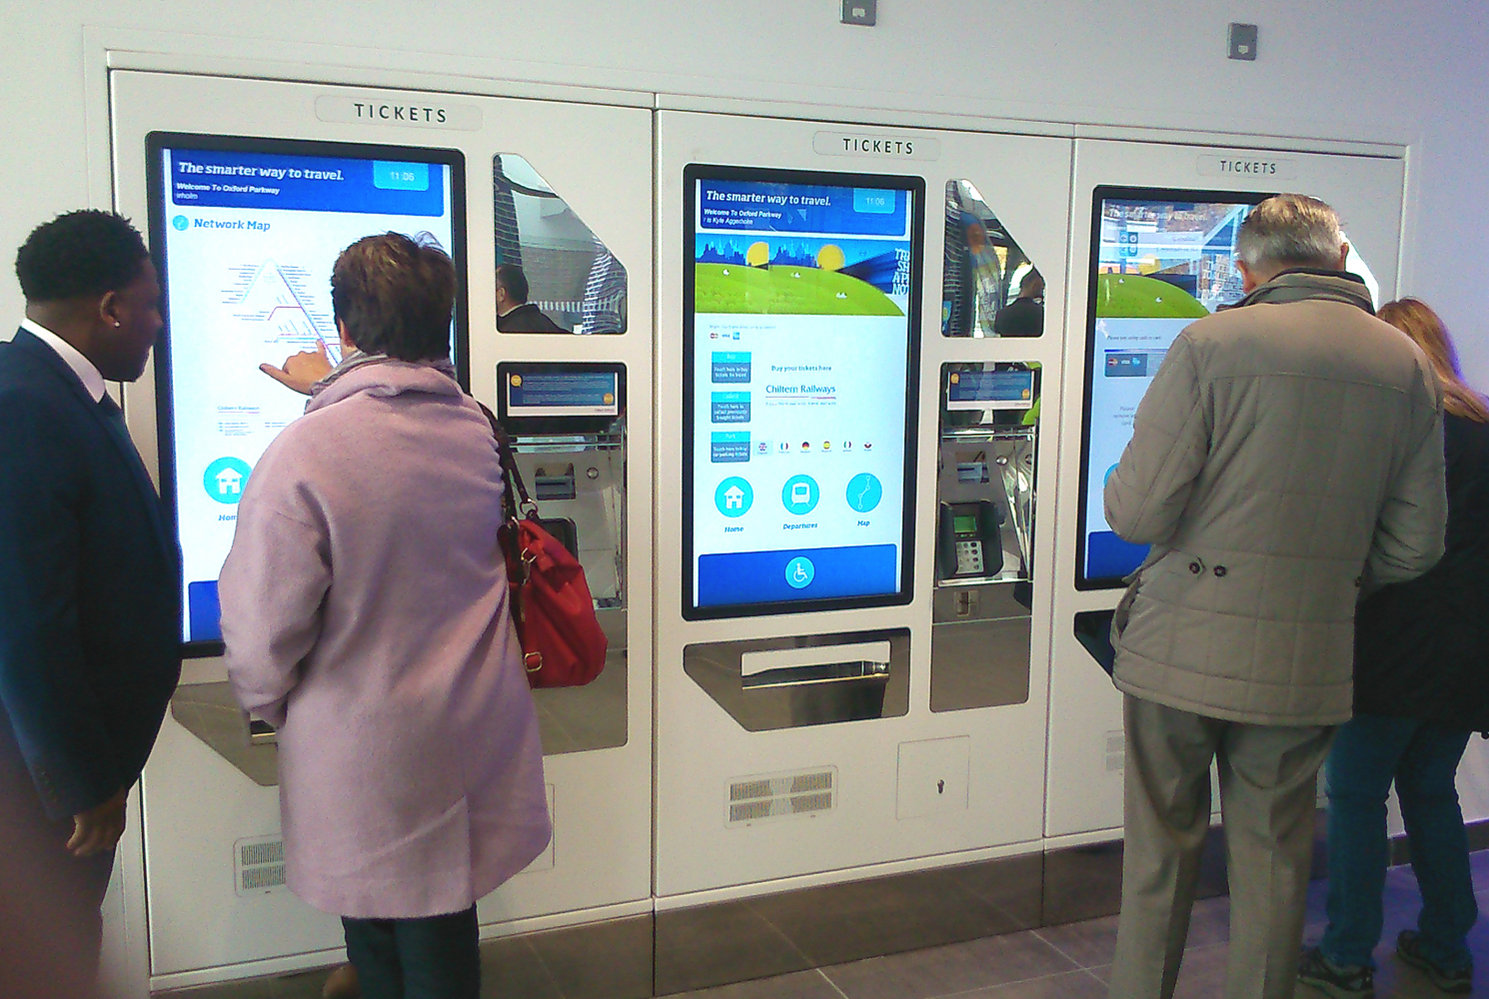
(1421, 689)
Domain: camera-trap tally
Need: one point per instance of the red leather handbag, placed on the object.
(562, 642)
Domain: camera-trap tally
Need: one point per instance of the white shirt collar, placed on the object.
(86, 372)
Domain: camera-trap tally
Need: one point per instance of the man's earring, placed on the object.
(116, 324)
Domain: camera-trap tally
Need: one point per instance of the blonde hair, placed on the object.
(1412, 317)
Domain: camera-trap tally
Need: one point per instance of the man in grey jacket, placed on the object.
(1287, 454)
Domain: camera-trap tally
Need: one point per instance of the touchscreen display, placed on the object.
(1159, 260)
(802, 302)
(245, 232)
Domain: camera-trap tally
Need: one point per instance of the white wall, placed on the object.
(1408, 71)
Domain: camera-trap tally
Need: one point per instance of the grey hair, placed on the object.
(1290, 230)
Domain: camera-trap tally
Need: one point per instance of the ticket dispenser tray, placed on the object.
(210, 712)
(815, 664)
(796, 680)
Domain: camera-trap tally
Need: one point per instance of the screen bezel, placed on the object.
(157, 181)
(1099, 194)
(916, 188)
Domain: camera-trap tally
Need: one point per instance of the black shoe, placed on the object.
(1456, 980)
(342, 984)
(1347, 982)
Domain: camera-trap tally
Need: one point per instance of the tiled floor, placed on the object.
(1057, 962)
(1071, 961)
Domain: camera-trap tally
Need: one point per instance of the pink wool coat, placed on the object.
(364, 609)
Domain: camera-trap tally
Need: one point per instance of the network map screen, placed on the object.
(245, 232)
(801, 356)
(1160, 259)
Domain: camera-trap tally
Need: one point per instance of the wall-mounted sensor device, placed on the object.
(1242, 40)
(861, 12)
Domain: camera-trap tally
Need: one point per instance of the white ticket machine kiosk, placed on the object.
(1162, 222)
(816, 283)
(252, 188)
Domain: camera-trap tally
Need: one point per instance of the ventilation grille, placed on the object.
(258, 865)
(780, 796)
(268, 876)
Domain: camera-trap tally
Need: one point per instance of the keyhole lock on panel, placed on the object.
(933, 776)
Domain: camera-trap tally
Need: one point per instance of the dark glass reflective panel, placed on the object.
(553, 274)
(990, 286)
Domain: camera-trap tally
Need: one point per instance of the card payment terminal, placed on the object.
(969, 541)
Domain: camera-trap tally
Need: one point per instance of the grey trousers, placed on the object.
(1268, 781)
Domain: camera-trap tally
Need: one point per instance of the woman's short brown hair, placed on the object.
(395, 296)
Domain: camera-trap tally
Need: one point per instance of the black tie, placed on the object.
(115, 416)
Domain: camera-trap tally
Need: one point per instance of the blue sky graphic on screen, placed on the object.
(247, 237)
(800, 344)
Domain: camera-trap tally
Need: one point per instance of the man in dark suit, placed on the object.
(89, 608)
(1024, 316)
(514, 313)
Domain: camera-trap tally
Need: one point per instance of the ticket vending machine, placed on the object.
(815, 282)
(252, 188)
(1158, 225)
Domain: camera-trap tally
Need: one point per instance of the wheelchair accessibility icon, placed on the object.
(800, 572)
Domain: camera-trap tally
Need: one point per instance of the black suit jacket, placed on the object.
(89, 613)
(527, 318)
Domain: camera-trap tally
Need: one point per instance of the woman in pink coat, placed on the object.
(364, 609)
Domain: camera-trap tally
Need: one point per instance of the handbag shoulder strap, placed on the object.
(514, 497)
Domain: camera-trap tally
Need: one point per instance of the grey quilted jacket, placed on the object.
(1287, 454)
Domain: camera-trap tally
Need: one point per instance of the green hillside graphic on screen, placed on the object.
(1134, 296)
(786, 290)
